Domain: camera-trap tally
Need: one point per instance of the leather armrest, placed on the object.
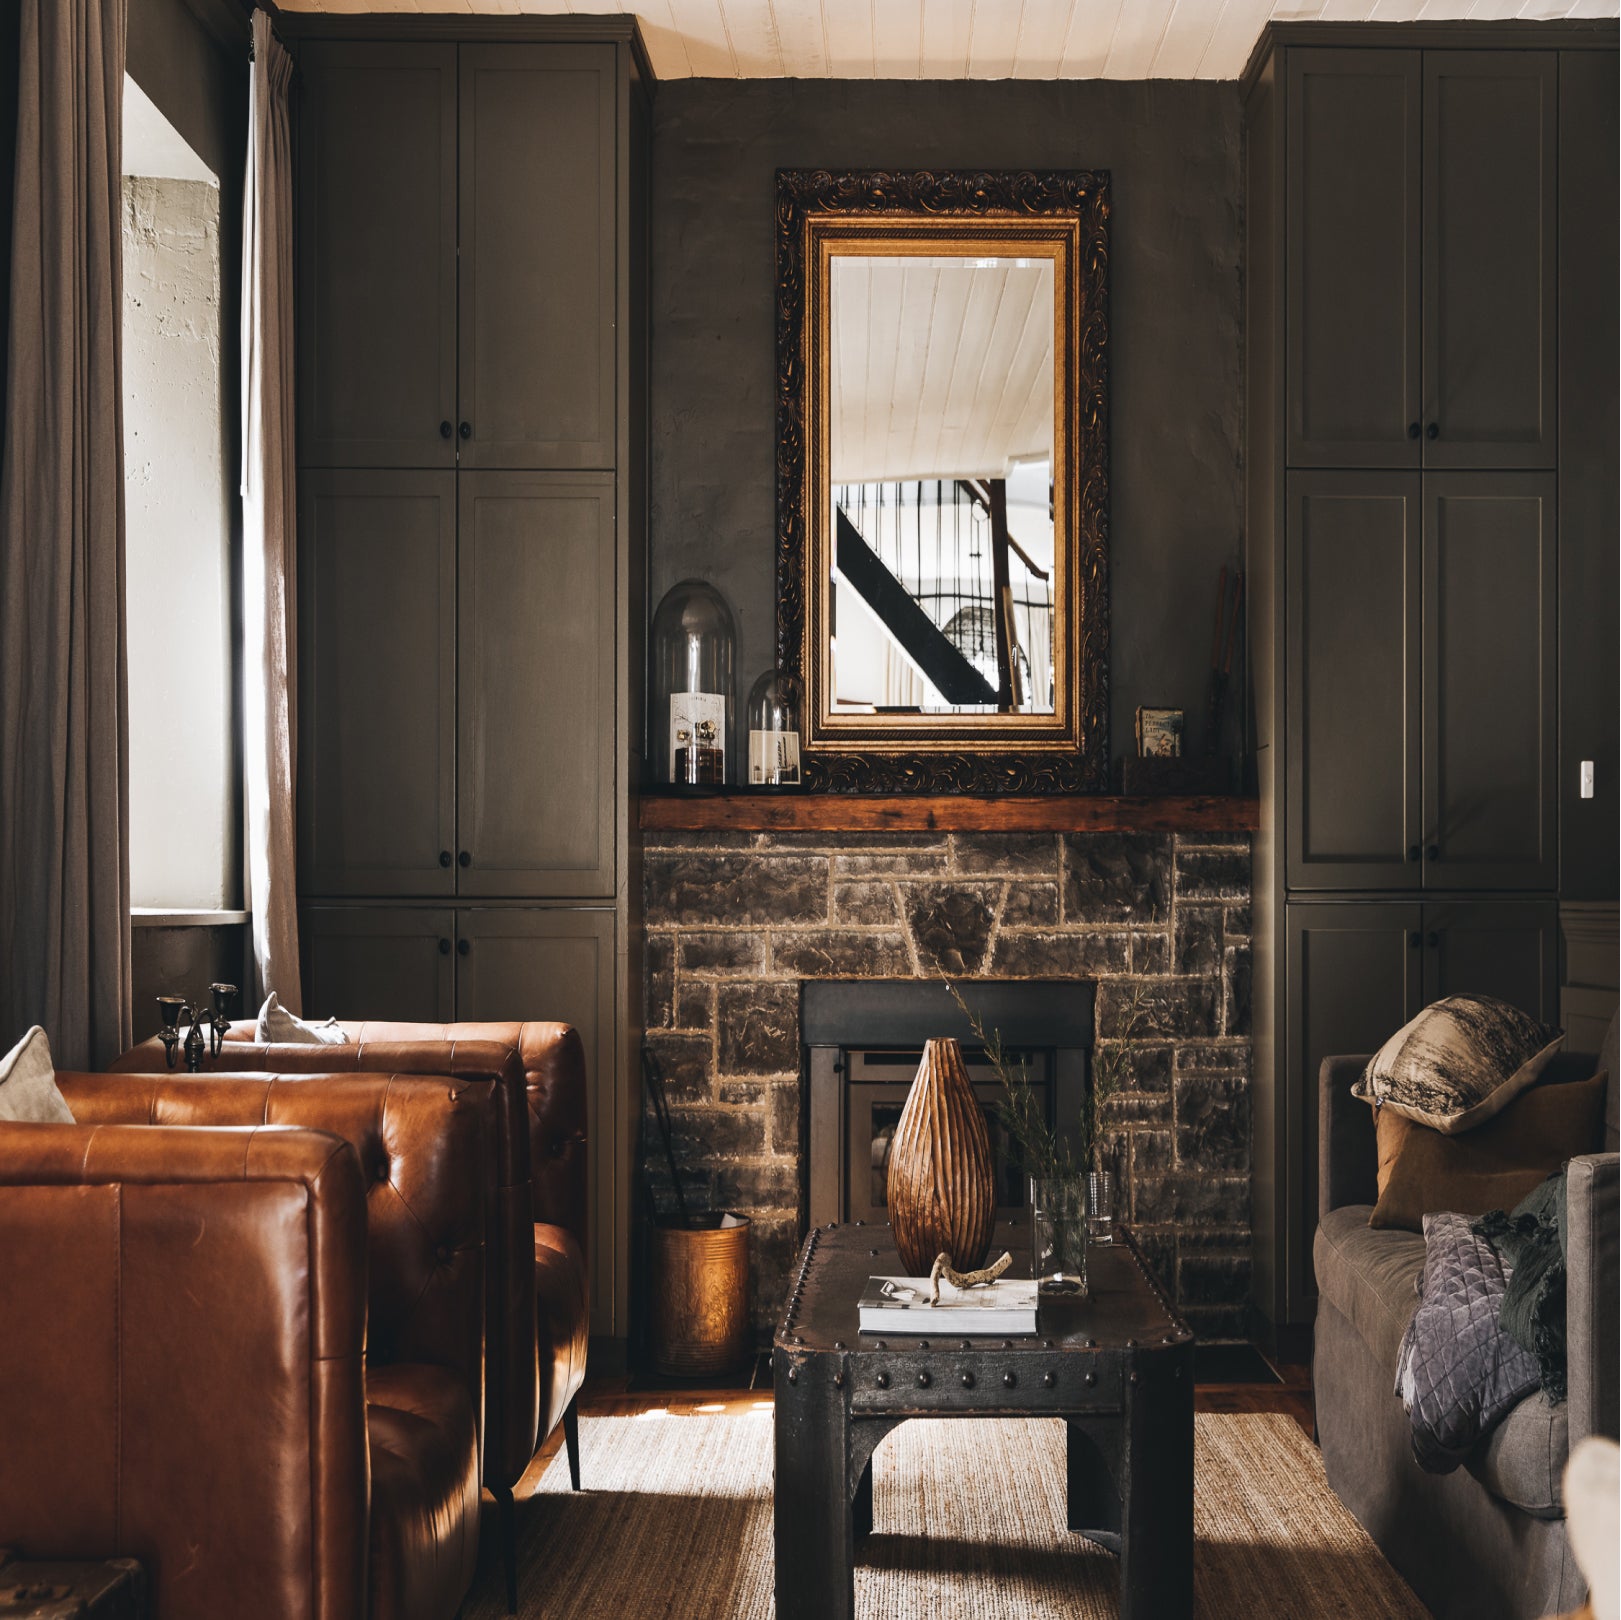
(1592, 1305)
(1347, 1145)
(181, 1370)
(554, 1070)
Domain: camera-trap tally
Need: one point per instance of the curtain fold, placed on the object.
(64, 733)
(268, 499)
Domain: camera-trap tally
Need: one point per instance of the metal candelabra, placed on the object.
(177, 1010)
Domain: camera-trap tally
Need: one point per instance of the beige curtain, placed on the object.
(64, 734)
(269, 599)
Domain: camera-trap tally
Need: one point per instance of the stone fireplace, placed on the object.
(737, 922)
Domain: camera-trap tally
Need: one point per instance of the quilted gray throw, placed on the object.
(1459, 1374)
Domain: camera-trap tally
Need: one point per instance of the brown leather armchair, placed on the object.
(544, 1087)
(251, 1358)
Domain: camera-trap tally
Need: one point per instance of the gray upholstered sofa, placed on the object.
(1488, 1541)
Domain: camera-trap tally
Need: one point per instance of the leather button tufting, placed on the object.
(445, 1253)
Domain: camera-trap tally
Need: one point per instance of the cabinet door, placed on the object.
(379, 962)
(376, 698)
(536, 720)
(377, 255)
(1490, 258)
(1509, 950)
(1355, 977)
(1352, 246)
(537, 326)
(1352, 637)
(557, 963)
(1490, 714)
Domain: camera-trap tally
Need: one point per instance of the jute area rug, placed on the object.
(968, 1524)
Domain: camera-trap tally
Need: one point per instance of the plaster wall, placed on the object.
(179, 516)
(1176, 313)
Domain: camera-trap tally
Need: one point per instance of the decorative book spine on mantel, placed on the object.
(942, 1199)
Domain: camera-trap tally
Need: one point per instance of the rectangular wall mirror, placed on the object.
(942, 477)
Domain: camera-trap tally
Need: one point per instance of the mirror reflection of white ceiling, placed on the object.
(940, 368)
(975, 39)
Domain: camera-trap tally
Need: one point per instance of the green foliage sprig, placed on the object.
(1043, 1151)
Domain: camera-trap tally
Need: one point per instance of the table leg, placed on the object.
(1156, 1497)
(814, 1533)
(1093, 1449)
(861, 1507)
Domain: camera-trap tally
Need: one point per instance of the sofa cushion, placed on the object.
(424, 1490)
(1370, 1276)
(1463, 1059)
(28, 1090)
(1493, 1166)
(1523, 1458)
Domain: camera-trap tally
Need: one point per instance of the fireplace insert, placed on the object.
(863, 1040)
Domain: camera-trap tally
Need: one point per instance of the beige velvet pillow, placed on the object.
(28, 1083)
(277, 1026)
(1463, 1059)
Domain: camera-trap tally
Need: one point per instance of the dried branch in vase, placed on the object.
(1046, 1150)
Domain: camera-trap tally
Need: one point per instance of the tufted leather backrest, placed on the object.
(181, 1375)
(424, 1146)
(512, 1381)
(553, 1058)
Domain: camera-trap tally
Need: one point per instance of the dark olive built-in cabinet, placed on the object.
(1427, 458)
(471, 320)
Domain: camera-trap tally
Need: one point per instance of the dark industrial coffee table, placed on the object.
(1117, 1366)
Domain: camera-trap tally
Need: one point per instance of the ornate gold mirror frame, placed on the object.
(1057, 217)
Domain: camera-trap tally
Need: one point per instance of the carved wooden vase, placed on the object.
(942, 1198)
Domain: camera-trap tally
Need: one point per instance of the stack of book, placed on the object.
(901, 1305)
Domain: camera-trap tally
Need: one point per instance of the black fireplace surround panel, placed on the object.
(861, 1042)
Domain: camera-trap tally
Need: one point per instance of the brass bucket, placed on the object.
(701, 1297)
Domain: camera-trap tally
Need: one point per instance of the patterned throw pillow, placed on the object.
(1460, 1061)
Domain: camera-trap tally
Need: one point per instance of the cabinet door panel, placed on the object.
(536, 713)
(1352, 252)
(377, 255)
(556, 963)
(1355, 977)
(379, 962)
(1508, 950)
(376, 700)
(1490, 257)
(1490, 648)
(1353, 743)
(538, 326)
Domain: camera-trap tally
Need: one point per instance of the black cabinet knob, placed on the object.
(444, 430)
(923, 1380)
(1413, 852)
(444, 857)
(1433, 853)
(1415, 939)
(1432, 939)
(1433, 431)
(444, 947)
(967, 1380)
(882, 1380)
(464, 859)
(1008, 1380)
(462, 947)
(467, 430)
(1412, 430)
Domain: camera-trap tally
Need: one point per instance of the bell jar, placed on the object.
(690, 714)
(774, 707)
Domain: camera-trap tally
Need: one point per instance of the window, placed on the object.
(181, 503)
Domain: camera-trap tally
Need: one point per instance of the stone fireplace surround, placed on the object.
(737, 920)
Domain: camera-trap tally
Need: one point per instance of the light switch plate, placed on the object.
(1587, 779)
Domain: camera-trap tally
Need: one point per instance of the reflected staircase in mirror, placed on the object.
(931, 559)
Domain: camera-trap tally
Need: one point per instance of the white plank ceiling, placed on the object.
(942, 368)
(975, 39)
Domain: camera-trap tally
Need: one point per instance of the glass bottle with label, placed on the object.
(690, 717)
(774, 706)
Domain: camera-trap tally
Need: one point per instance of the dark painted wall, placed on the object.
(1175, 306)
